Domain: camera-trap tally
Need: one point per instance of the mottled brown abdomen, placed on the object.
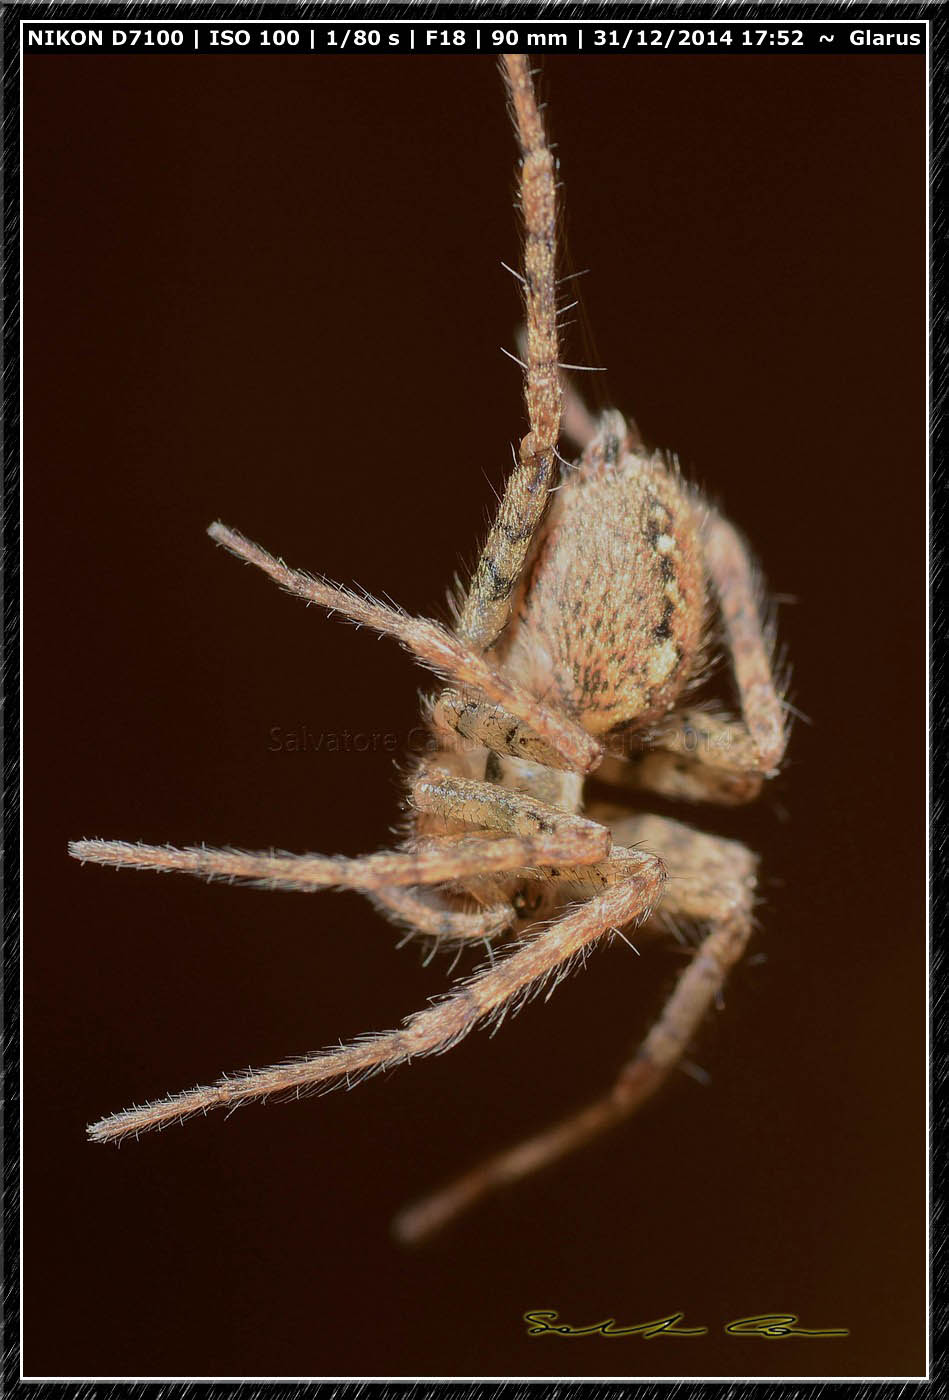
(609, 621)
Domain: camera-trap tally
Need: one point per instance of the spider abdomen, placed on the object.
(610, 618)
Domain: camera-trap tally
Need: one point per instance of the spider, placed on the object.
(595, 609)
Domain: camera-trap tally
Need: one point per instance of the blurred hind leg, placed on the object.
(711, 880)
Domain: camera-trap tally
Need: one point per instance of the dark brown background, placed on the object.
(269, 290)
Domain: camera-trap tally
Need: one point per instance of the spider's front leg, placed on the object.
(449, 656)
(712, 881)
(429, 862)
(515, 831)
(487, 605)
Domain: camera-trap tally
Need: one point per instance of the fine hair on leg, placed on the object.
(520, 972)
(433, 645)
(713, 883)
(487, 607)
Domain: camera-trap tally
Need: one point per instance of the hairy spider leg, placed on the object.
(481, 722)
(712, 881)
(431, 644)
(518, 972)
(448, 800)
(704, 757)
(487, 607)
(432, 862)
(427, 912)
(489, 805)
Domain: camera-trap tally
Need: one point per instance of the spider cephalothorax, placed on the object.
(587, 624)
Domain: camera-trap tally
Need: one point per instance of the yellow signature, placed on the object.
(772, 1326)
